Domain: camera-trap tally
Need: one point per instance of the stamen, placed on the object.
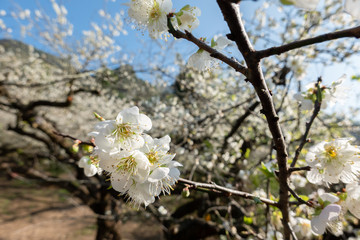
(122, 131)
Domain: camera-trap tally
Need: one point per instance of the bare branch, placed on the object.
(231, 13)
(350, 32)
(223, 190)
(214, 53)
(75, 139)
(300, 200)
(317, 107)
(296, 169)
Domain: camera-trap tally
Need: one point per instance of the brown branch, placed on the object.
(213, 52)
(47, 103)
(350, 32)
(231, 13)
(75, 139)
(223, 190)
(304, 140)
(296, 169)
(35, 136)
(300, 200)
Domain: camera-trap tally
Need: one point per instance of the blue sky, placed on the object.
(82, 12)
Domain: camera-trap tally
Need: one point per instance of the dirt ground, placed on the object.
(31, 212)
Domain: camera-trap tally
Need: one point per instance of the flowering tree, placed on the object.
(240, 133)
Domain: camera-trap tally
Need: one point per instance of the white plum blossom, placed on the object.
(333, 161)
(353, 8)
(137, 165)
(201, 60)
(126, 168)
(122, 133)
(337, 92)
(353, 198)
(139, 194)
(187, 18)
(151, 14)
(89, 168)
(328, 217)
(164, 172)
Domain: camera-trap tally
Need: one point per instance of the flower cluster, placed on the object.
(332, 162)
(138, 165)
(153, 15)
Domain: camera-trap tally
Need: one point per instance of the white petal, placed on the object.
(145, 122)
(329, 197)
(83, 162)
(314, 176)
(129, 115)
(120, 183)
(141, 160)
(221, 42)
(165, 5)
(158, 174)
(90, 171)
(174, 164)
(317, 225)
(174, 173)
(330, 212)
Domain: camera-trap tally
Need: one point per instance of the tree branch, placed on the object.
(223, 190)
(75, 139)
(214, 53)
(231, 13)
(350, 32)
(317, 107)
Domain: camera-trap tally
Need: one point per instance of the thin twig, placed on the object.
(350, 32)
(300, 200)
(75, 139)
(213, 52)
(221, 190)
(317, 107)
(295, 169)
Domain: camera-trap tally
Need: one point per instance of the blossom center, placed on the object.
(155, 11)
(122, 131)
(153, 156)
(330, 152)
(127, 164)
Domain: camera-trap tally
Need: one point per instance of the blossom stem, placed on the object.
(317, 107)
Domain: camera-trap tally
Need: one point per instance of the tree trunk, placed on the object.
(107, 229)
(108, 224)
